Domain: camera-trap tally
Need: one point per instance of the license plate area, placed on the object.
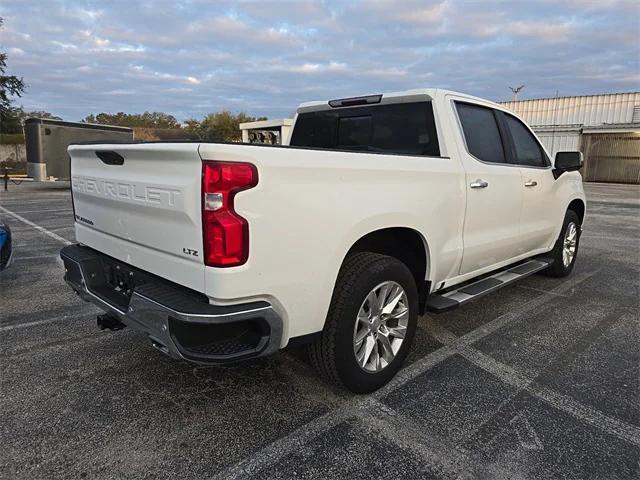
(120, 278)
(114, 282)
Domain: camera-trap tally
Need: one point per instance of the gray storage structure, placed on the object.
(47, 141)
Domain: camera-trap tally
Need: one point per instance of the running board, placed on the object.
(455, 298)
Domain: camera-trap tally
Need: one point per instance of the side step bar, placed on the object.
(455, 298)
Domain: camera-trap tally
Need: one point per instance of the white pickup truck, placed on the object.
(381, 208)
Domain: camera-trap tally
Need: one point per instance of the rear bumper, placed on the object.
(178, 321)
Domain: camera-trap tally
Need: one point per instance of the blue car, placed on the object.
(5, 246)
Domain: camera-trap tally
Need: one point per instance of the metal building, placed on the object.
(47, 142)
(605, 128)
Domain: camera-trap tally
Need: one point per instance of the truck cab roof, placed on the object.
(405, 96)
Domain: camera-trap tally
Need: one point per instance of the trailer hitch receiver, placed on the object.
(109, 322)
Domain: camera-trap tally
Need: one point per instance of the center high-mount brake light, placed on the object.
(225, 234)
(353, 101)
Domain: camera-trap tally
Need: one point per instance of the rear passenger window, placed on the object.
(481, 132)
(527, 149)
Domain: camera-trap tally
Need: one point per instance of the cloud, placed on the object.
(547, 32)
(312, 68)
(264, 57)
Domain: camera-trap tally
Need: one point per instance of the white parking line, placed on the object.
(513, 377)
(47, 211)
(564, 403)
(35, 257)
(40, 201)
(272, 453)
(48, 233)
(442, 455)
(18, 326)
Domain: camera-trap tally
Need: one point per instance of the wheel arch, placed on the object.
(578, 206)
(405, 244)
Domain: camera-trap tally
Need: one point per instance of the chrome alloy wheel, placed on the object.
(381, 326)
(569, 244)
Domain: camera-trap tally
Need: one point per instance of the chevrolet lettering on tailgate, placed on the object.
(160, 196)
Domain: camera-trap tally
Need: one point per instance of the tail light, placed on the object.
(225, 234)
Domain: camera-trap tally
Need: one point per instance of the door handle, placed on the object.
(530, 183)
(479, 184)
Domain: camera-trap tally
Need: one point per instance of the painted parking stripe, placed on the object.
(19, 326)
(36, 257)
(562, 402)
(47, 211)
(522, 381)
(48, 233)
(274, 452)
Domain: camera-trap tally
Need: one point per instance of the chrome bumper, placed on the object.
(179, 322)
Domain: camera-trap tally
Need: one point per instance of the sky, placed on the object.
(190, 58)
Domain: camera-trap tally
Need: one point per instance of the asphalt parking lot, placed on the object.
(538, 380)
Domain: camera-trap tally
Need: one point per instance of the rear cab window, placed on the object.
(396, 128)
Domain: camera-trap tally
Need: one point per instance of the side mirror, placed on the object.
(567, 162)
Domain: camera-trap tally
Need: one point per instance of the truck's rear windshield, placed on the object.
(397, 128)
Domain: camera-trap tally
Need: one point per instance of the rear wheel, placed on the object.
(370, 324)
(565, 250)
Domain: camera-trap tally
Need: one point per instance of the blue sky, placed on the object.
(193, 57)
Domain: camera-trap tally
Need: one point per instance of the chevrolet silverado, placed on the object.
(380, 208)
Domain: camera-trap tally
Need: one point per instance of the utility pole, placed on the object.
(515, 91)
(553, 131)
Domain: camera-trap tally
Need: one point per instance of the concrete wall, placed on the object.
(13, 153)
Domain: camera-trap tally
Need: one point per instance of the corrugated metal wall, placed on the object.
(559, 141)
(611, 157)
(560, 122)
(586, 110)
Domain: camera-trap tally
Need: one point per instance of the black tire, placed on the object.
(558, 269)
(332, 354)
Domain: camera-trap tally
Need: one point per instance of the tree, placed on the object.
(146, 119)
(39, 114)
(10, 86)
(220, 127)
(14, 117)
(193, 127)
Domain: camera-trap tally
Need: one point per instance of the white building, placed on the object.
(270, 132)
(606, 128)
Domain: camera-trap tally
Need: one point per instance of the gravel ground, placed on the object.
(538, 380)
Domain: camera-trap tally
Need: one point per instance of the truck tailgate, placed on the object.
(140, 203)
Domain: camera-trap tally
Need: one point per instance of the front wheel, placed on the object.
(565, 250)
(370, 324)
